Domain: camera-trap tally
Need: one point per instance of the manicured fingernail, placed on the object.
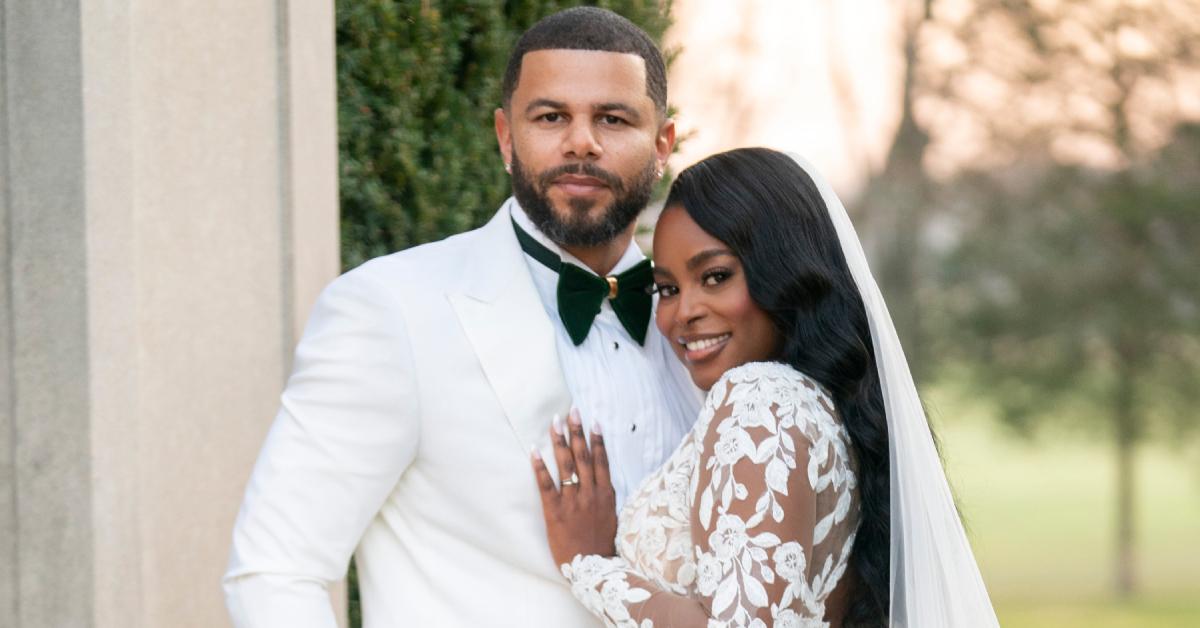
(574, 417)
(596, 428)
(556, 425)
(533, 451)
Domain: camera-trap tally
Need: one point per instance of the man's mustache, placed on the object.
(585, 169)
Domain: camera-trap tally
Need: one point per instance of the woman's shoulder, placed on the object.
(764, 379)
(756, 389)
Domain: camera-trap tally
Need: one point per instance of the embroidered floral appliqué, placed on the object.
(713, 523)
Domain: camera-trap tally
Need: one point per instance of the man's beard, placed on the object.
(577, 229)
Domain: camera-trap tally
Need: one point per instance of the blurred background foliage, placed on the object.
(1052, 271)
(1035, 227)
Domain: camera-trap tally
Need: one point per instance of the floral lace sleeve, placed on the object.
(772, 518)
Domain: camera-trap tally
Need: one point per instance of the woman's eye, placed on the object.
(666, 290)
(714, 277)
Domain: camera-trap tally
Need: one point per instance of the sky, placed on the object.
(819, 78)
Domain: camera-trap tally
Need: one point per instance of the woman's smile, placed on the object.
(703, 347)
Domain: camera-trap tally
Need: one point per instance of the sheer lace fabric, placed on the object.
(749, 523)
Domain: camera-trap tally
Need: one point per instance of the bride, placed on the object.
(809, 492)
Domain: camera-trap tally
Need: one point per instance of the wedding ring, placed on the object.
(571, 481)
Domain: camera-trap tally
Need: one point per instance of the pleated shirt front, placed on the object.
(641, 396)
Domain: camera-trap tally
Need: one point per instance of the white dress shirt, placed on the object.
(641, 396)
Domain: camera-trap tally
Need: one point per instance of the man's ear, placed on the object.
(664, 142)
(504, 134)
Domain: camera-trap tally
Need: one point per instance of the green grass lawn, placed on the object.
(1041, 518)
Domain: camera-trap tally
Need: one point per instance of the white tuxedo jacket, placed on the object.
(420, 385)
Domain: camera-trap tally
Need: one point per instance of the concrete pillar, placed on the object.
(168, 213)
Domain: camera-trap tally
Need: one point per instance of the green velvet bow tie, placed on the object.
(581, 293)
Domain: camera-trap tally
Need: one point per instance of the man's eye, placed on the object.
(609, 119)
(552, 117)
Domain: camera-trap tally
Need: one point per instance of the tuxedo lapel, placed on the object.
(504, 320)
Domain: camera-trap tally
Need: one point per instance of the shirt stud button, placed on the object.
(616, 345)
(634, 428)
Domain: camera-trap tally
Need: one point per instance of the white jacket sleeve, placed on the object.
(346, 430)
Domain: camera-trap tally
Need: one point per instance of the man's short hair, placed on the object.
(590, 28)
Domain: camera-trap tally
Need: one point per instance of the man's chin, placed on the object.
(570, 207)
(579, 223)
(581, 214)
(583, 220)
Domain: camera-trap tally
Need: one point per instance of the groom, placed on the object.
(424, 378)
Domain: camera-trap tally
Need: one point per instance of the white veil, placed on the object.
(934, 581)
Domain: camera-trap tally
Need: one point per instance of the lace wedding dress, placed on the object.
(749, 523)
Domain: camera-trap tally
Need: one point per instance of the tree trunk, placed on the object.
(901, 195)
(1126, 436)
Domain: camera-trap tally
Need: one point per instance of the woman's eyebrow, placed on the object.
(704, 256)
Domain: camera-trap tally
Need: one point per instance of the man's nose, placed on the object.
(580, 141)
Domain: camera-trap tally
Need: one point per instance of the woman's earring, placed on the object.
(508, 168)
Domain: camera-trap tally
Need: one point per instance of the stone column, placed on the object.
(168, 213)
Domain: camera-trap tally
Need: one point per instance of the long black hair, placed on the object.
(768, 211)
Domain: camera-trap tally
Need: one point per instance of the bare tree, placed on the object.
(894, 208)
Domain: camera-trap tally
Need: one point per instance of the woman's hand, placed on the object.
(581, 518)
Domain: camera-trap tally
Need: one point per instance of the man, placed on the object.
(425, 377)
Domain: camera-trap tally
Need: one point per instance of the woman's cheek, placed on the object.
(663, 316)
(738, 304)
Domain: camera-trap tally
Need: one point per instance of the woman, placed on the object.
(809, 492)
